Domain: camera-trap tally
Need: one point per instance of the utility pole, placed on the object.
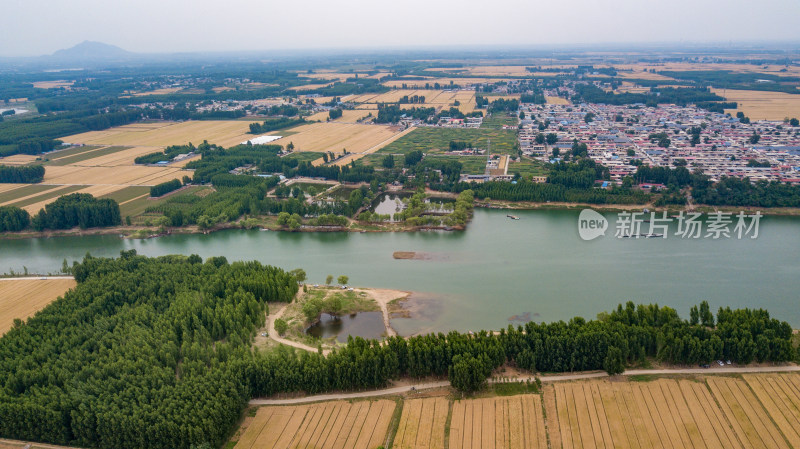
(488, 155)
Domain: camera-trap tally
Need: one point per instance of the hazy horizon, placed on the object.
(36, 27)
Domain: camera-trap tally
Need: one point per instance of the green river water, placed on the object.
(536, 267)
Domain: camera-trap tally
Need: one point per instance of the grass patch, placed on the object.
(432, 140)
(643, 378)
(527, 168)
(514, 388)
(138, 206)
(19, 192)
(58, 154)
(51, 194)
(303, 156)
(499, 119)
(471, 165)
(128, 193)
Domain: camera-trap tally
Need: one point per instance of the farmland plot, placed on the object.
(335, 137)
(498, 423)
(752, 424)
(327, 425)
(660, 414)
(21, 298)
(422, 424)
(221, 132)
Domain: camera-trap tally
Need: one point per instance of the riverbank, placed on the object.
(269, 223)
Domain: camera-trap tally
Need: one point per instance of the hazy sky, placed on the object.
(34, 27)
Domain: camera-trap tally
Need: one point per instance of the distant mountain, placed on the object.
(92, 51)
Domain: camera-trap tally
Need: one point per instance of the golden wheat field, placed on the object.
(715, 413)
(355, 156)
(348, 115)
(52, 84)
(21, 298)
(556, 100)
(420, 84)
(762, 105)
(514, 422)
(221, 132)
(18, 159)
(422, 424)
(326, 425)
(15, 444)
(309, 86)
(121, 176)
(335, 137)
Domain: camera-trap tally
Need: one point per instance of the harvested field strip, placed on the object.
(325, 425)
(551, 416)
(126, 194)
(667, 412)
(645, 402)
(21, 298)
(590, 430)
(773, 403)
(456, 425)
(718, 422)
(563, 417)
(46, 197)
(684, 417)
(636, 415)
(597, 411)
(58, 154)
(514, 422)
(409, 424)
(86, 155)
(21, 191)
(10, 187)
(751, 424)
(614, 417)
(708, 432)
(655, 403)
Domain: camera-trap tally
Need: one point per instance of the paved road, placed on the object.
(428, 385)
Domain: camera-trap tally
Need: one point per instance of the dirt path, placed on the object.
(273, 334)
(383, 297)
(555, 378)
(34, 278)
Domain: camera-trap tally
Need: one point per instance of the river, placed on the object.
(498, 269)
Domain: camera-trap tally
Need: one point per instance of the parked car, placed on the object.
(720, 363)
(704, 365)
(727, 362)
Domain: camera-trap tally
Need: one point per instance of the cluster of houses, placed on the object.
(620, 137)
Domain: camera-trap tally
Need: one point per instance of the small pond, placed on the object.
(363, 324)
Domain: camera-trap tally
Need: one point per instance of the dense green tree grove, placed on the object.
(543, 192)
(274, 124)
(21, 174)
(392, 113)
(741, 192)
(169, 153)
(678, 176)
(230, 202)
(143, 353)
(78, 209)
(13, 219)
(164, 188)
